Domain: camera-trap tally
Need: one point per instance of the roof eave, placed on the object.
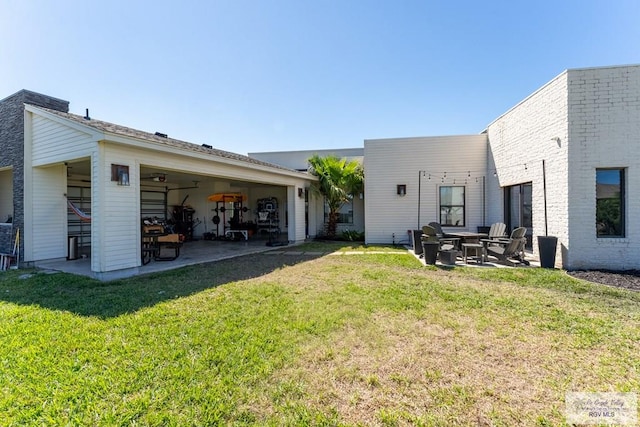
(146, 144)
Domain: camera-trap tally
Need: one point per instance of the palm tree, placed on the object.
(338, 181)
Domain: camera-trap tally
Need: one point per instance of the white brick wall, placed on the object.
(604, 132)
(518, 142)
(596, 114)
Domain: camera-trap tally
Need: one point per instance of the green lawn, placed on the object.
(372, 339)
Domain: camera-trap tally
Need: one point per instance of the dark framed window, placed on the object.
(452, 202)
(610, 202)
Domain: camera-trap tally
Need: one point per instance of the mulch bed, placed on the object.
(628, 279)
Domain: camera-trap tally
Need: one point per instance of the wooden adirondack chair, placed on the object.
(446, 243)
(497, 231)
(511, 249)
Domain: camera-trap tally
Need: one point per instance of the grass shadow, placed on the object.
(89, 297)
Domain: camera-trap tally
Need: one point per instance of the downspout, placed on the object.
(544, 192)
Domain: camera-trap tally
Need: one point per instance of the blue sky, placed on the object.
(272, 75)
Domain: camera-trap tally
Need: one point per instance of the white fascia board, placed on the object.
(146, 145)
(88, 130)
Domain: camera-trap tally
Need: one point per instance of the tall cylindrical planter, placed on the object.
(417, 244)
(547, 251)
(430, 250)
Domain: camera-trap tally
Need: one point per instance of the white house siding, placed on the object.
(389, 162)
(604, 132)
(48, 222)
(315, 214)
(54, 142)
(116, 212)
(519, 141)
(296, 214)
(298, 160)
(48, 143)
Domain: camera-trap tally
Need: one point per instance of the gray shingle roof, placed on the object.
(168, 142)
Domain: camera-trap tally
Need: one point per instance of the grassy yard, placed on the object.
(372, 339)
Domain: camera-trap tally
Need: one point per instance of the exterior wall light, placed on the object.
(401, 190)
(123, 179)
(120, 174)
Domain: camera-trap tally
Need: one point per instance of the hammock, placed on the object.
(83, 216)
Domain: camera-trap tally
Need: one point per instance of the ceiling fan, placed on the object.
(156, 176)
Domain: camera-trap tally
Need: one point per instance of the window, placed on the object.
(345, 214)
(610, 197)
(452, 206)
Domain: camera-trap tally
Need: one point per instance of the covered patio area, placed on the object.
(191, 253)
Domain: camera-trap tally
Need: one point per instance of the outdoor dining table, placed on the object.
(467, 236)
(469, 239)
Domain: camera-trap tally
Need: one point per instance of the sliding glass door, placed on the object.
(518, 208)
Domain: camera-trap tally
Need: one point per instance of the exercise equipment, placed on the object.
(183, 219)
(268, 220)
(235, 213)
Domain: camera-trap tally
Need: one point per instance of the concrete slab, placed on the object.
(194, 252)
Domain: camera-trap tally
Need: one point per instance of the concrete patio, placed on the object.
(204, 251)
(193, 252)
(489, 263)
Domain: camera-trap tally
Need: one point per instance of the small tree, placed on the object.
(338, 181)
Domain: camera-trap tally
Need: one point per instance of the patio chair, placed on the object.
(430, 234)
(509, 250)
(446, 243)
(497, 231)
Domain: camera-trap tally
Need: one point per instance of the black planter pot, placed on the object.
(430, 250)
(547, 251)
(416, 239)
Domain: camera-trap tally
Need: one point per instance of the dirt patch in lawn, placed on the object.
(629, 279)
(410, 371)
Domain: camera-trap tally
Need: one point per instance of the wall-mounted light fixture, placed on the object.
(301, 193)
(557, 140)
(401, 190)
(123, 179)
(120, 174)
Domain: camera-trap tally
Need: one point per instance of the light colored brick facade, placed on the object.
(518, 142)
(604, 132)
(580, 121)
